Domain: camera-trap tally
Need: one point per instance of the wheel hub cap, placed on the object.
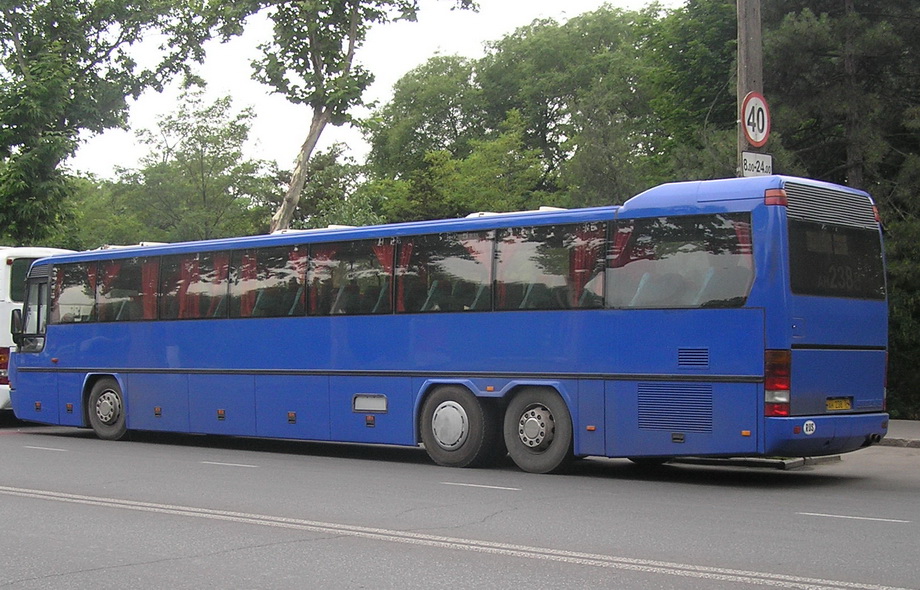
(536, 427)
(450, 425)
(108, 407)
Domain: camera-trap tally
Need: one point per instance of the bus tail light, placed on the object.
(4, 365)
(777, 375)
(775, 196)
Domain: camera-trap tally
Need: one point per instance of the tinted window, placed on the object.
(445, 272)
(127, 290)
(694, 261)
(33, 319)
(351, 277)
(194, 285)
(268, 282)
(73, 293)
(834, 261)
(18, 270)
(550, 267)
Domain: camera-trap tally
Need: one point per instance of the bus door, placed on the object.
(39, 398)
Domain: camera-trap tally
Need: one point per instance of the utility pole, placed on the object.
(750, 62)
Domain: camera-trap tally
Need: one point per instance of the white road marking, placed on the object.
(228, 464)
(475, 485)
(47, 449)
(853, 517)
(459, 544)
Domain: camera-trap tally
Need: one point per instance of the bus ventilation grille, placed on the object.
(683, 407)
(693, 358)
(823, 205)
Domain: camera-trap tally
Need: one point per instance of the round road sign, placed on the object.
(755, 119)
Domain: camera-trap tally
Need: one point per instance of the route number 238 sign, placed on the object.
(755, 119)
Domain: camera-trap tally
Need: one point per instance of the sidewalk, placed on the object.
(903, 433)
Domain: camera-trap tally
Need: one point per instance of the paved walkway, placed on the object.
(903, 433)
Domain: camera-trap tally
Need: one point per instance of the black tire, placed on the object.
(538, 431)
(460, 430)
(106, 410)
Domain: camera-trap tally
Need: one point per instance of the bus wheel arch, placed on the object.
(460, 429)
(538, 430)
(105, 407)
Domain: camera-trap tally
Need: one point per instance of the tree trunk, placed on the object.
(285, 213)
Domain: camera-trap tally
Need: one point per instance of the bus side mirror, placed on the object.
(16, 326)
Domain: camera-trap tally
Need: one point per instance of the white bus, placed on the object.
(14, 265)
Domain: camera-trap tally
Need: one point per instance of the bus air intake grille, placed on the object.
(822, 205)
(683, 407)
(693, 358)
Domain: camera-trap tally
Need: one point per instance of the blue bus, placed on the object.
(736, 317)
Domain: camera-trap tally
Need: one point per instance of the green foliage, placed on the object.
(311, 61)
(499, 174)
(841, 77)
(434, 107)
(65, 68)
(195, 183)
(332, 194)
(903, 251)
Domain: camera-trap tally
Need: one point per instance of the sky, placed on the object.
(389, 52)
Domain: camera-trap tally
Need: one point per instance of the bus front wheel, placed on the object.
(538, 431)
(106, 407)
(458, 430)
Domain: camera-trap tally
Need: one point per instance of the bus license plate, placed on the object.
(836, 404)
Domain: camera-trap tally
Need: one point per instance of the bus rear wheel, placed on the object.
(106, 407)
(538, 431)
(458, 429)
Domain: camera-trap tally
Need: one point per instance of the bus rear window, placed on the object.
(18, 270)
(835, 261)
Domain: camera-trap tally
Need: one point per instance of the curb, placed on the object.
(900, 442)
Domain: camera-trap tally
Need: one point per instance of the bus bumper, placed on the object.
(813, 436)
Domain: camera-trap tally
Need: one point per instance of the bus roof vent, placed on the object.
(826, 205)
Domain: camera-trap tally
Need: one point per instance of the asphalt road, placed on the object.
(193, 511)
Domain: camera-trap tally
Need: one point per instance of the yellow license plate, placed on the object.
(836, 404)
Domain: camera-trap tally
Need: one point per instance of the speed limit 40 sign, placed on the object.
(755, 119)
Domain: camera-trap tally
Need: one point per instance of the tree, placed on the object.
(499, 174)
(195, 183)
(842, 82)
(436, 106)
(311, 61)
(332, 193)
(579, 89)
(65, 68)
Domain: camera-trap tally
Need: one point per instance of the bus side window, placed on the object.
(550, 267)
(692, 261)
(266, 282)
(192, 286)
(444, 272)
(127, 290)
(350, 278)
(73, 293)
